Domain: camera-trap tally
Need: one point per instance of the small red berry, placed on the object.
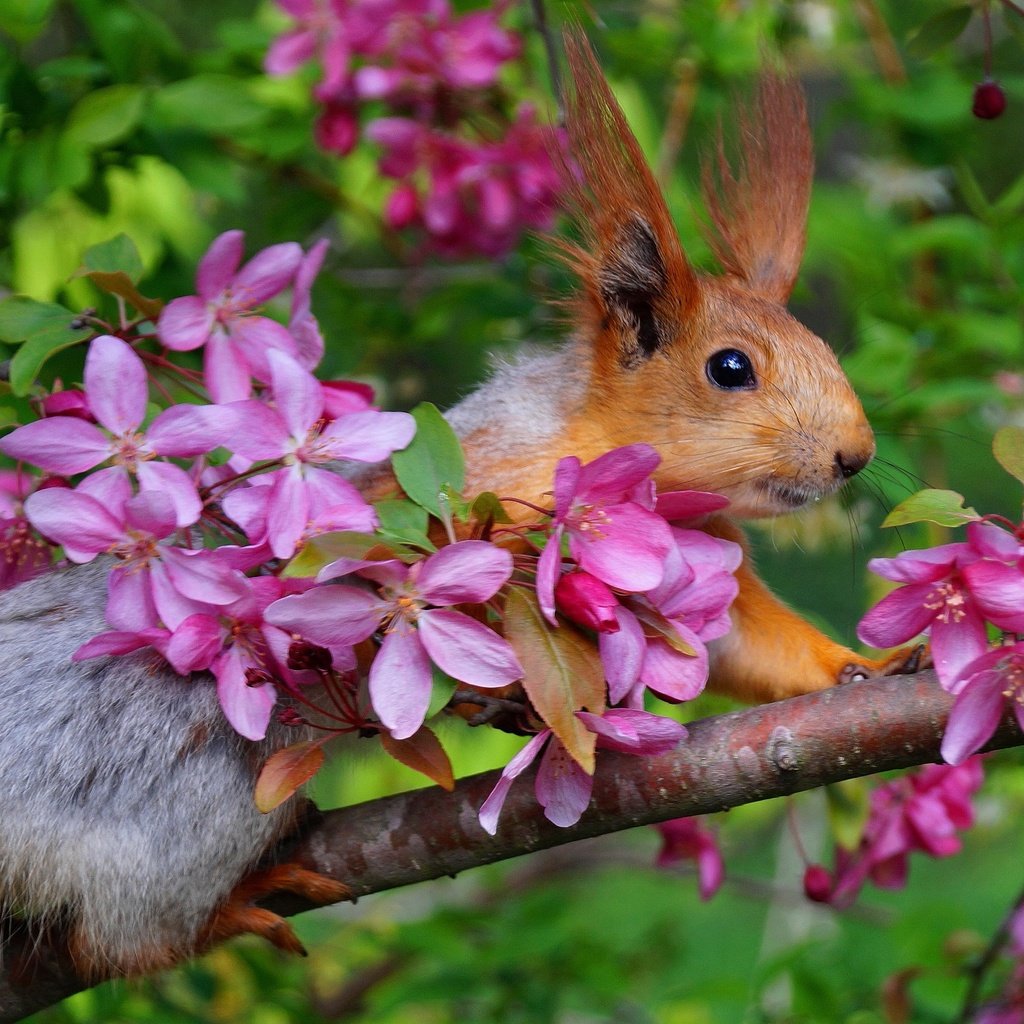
(989, 100)
(817, 883)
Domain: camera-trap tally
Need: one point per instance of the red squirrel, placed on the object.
(126, 809)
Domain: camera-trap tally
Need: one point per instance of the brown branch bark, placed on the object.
(728, 760)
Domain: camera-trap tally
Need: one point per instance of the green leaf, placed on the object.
(23, 19)
(938, 30)
(432, 461)
(42, 329)
(121, 284)
(562, 673)
(1008, 448)
(286, 770)
(946, 508)
(397, 515)
(219, 104)
(424, 754)
(487, 508)
(328, 547)
(443, 688)
(105, 116)
(117, 254)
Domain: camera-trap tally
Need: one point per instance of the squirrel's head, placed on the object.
(734, 393)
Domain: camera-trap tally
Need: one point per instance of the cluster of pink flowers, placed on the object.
(953, 592)
(199, 507)
(469, 177)
(921, 811)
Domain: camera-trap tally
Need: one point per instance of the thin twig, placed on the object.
(540, 20)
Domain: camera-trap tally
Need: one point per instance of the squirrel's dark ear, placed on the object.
(637, 283)
(759, 210)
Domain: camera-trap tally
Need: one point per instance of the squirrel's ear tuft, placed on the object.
(759, 210)
(637, 283)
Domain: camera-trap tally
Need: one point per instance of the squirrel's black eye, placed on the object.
(731, 370)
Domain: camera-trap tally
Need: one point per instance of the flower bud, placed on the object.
(67, 403)
(989, 100)
(337, 130)
(587, 601)
(402, 208)
(818, 883)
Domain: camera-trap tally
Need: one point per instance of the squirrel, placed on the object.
(127, 820)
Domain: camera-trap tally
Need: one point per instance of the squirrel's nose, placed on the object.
(851, 463)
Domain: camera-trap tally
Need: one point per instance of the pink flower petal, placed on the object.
(227, 374)
(332, 615)
(974, 717)
(219, 263)
(898, 617)
(622, 654)
(183, 431)
(172, 606)
(297, 395)
(176, 485)
(549, 566)
(267, 273)
(998, 590)
(59, 444)
(246, 707)
(563, 788)
(195, 644)
(150, 512)
(675, 505)
(259, 431)
(567, 476)
(634, 732)
(472, 571)
(287, 511)
(490, 809)
(926, 566)
(467, 650)
(629, 549)
(674, 675)
(203, 576)
(116, 384)
(290, 51)
(611, 475)
(76, 519)
(255, 337)
(116, 642)
(185, 323)
(401, 682)
(956, 644)
(369, 436)
(130, 606)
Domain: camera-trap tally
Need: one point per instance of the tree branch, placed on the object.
(729, 760)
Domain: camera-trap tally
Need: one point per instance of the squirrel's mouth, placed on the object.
(790, 497)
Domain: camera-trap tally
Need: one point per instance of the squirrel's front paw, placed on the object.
(904, 662)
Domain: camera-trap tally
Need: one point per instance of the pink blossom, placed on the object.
(604, 509)
(411, 607)
(562, 787)
(688, 839)
(23, 556)
(293, 431)
(950, 591)
(934, 597)
(661, 643)
(155, 583)
(67, 403)
(246, 654)
(922, 811)
(222, 315)
(117, 390)
(992, 684)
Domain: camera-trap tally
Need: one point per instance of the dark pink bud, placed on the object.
(402, 207)
(989, 100)
(52, 481)
(818, 883)
(67, 403)
(257, 677)
(337, 129)
(303, 655)
(289, 716)
(587, 601)
(344, 396)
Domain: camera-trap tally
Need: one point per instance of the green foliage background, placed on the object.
(153, 118)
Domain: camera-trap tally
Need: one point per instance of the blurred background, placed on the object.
(159, 119)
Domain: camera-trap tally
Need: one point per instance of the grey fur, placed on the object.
(126, 800)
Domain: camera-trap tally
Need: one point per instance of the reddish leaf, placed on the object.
(285, 771)
(422, 752)
(119, 283)
(562, 673)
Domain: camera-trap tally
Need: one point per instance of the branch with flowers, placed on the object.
(240, 545)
